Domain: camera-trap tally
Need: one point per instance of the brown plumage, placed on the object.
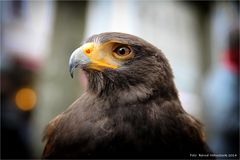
(130, 111)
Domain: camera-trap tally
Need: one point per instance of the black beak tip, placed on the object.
(71, 70)
(72, 67)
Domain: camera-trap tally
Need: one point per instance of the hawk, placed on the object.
(131, 108)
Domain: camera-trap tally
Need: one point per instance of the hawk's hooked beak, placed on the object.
(92, 55)
(77, 58)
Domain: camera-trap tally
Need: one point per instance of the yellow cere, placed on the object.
(96, 55)
(88, 48)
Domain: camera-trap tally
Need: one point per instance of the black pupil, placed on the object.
(121, 51)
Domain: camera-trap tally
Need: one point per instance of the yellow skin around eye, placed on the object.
(99, 56)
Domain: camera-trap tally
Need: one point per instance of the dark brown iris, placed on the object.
(122, 50)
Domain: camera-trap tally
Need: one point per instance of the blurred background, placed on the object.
(200, 39)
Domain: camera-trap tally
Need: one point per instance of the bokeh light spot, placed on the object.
(25, 99)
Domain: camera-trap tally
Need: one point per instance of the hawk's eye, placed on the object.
(122, 52)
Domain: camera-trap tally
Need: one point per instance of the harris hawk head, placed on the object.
(124, 65)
